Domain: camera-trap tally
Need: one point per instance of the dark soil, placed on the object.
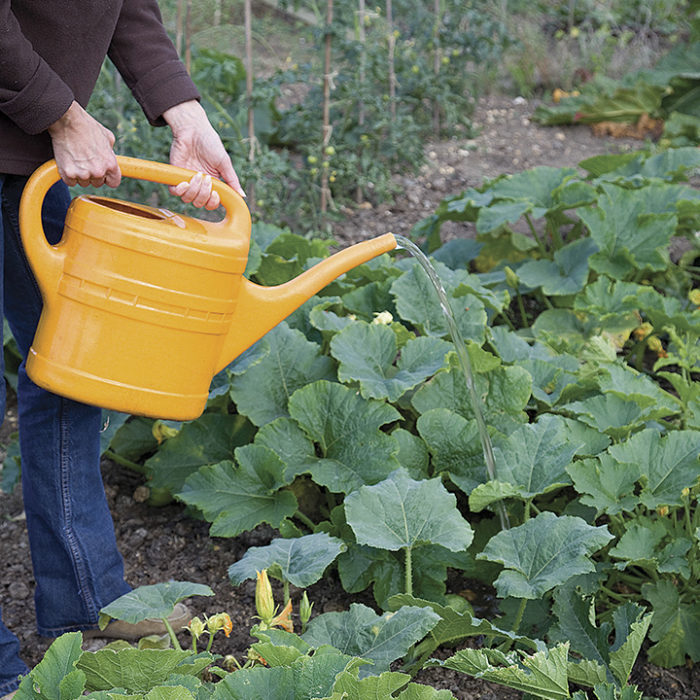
(160, 544)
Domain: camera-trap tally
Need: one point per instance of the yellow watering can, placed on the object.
(142, 306)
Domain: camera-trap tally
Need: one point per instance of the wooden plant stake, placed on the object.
(392, 70)
(326, 129)
(359, 195)
(249, 92)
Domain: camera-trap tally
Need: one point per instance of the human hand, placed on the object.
(197, 146)
(83, 150)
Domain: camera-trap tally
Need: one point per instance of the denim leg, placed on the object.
(77, 567)
(11, 666)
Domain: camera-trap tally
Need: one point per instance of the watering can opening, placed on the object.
(126, 207)
(143, 306)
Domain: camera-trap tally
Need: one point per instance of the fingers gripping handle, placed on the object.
(47, 260)
(172, 175)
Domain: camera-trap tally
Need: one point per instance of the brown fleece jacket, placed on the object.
(51, 52)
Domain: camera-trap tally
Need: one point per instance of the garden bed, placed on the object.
(164, 543)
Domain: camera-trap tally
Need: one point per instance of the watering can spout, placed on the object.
(259, 309)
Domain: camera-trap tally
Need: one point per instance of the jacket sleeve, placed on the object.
(31, 94)
(147, 60)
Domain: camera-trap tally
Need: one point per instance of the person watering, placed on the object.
(50, 57)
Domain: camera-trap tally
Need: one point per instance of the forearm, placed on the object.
(31, 93)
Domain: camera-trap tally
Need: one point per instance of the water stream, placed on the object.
(464, 362)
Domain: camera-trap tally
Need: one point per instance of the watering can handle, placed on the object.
(49, 259)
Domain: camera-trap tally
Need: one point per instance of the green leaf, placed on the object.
(534, 457)
(628, 235)
(262, 392)
(455, 625)
(566, 274)
(58, 663)
(544, 552)
(668, 463)
(323, 316)
(606, 484)
(613, 415)
(607, 162)
(505, 392)
(574, 625)
(417, 301)
(138, 670)
(72, 686)
(301, 561)
(210, 439)
(155, 601)
(535, 185)
(674, 625)
(347, 430)
(491, 492)
(238, 498)
(367, 353)
(455, 447)
(400, 512)
(416, 691)
(638, 543)
(169, 693)
(277, 654)
(361, 632)
(623, 381)
(543, 674)
(413, 453)
(673, 558)
(500, 213)
(631, 628)
(290, 443)
(349, 687)
(257, 683)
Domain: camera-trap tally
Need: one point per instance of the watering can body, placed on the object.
(142, 306)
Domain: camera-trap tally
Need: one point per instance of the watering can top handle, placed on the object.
(47, 175)
(172, 175)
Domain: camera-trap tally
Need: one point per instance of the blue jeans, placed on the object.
(77, 567)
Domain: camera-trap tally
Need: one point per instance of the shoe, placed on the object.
(118, 629)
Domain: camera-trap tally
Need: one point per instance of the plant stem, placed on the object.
(409, 571)
(124, 462)
(285, 589)
(519, 615)
(536, 236)
(171, 633)
(306, 520)
(523, 314)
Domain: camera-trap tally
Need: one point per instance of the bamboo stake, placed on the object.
(178, 28)
(392, 71)
(188, 35)
(249, 91)
(326, 130)
(359, 195)
(436, 64)
(217, 12)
